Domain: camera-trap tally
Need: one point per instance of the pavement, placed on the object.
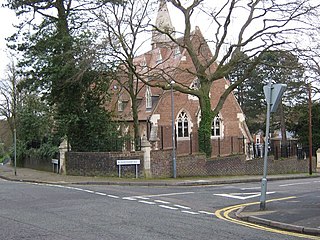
(292, 215)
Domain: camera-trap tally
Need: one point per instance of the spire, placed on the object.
(163, 22)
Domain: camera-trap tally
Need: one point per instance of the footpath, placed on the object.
(298, 215)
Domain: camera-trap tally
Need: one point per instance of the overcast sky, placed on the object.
(6, 29)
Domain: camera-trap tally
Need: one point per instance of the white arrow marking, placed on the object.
(241, 196)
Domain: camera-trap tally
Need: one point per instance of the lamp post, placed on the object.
(310, 128)
(173, 133)
(14, 93)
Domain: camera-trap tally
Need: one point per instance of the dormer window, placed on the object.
(148, 98)
(195, 84)
(143, 64)
(159, 57)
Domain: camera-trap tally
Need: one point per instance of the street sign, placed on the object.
(274, 98)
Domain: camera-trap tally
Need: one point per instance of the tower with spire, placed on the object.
(164, 24)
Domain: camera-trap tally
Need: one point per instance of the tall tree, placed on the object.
(280, 67)
(58, 58)
(298, 123)
(122, 28)
(10, 97)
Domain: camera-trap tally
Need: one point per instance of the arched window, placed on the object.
(183, 125)
(159, 57)
(216, 127)
(120, 104)
(148, 98)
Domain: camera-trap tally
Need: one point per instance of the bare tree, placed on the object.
(123, 31)
(263, 26)
(9, 97)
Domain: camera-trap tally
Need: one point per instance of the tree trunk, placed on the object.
(134, 109)
(204, 132)
(284, 141)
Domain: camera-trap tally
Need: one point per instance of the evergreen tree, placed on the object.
(58, 63)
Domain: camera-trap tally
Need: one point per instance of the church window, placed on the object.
(216, 127)
(183, 125)
(159, 57)
(148, 98)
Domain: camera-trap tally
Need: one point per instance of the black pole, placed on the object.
(310, 130)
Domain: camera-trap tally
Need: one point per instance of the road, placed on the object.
(44, 211)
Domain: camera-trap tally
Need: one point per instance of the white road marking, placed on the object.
(241, 196)
(316, 181)
(147, 202)
(160, 201)
(250, 188)
(141, 197)
(180, 206)
(101, 194)
(129, 198)
(189, 212)
(112, 196)
(168, 207)
(293, 184)
(208, 213)
(88, 191)
(168, 194)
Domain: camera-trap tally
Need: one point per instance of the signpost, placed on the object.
(273, 94)
(128, 162)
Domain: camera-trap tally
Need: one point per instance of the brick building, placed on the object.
(167, 62)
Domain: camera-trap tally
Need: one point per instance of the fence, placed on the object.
(189, 145)
(280, 151)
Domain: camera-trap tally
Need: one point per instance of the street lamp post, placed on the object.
(310, 129)
(173, 133)
(14, 93)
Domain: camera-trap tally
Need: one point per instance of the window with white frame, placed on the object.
(177, 51)
(183, 125)
(120, 105)
(148, 98)
(216, 127)
(195, 86)
(143, 63)
(159, 57)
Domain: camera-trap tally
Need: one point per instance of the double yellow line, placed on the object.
(224, 214)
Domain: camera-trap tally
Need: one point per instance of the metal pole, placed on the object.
(265, 160)
(15, 150)
(310, 130)
(14, 124)
(173, 134)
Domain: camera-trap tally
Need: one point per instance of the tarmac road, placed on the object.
(53, 211)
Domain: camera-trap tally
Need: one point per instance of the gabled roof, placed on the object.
(157, 64)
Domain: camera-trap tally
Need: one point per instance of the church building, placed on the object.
(229, 132)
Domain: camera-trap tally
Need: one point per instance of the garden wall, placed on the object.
(101, 163)
(198, 165)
